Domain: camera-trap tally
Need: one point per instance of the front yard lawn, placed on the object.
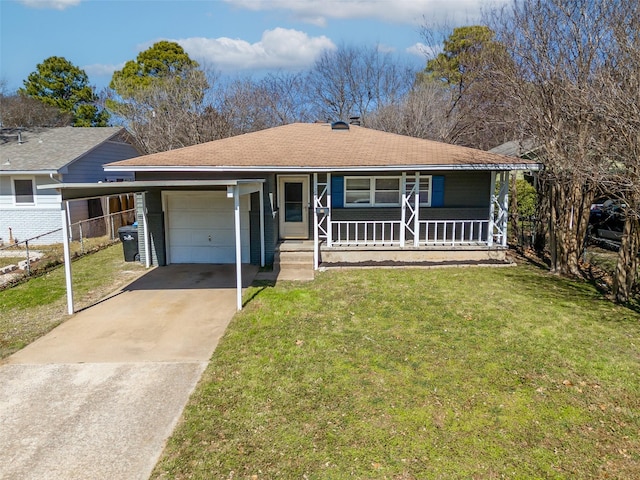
(417, 374)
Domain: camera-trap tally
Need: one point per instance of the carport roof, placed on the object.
(74, 191)
(318, 147)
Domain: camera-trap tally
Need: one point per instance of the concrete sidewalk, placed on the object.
(98, 396)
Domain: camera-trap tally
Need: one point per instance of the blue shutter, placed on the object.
(437, 191)
(337, 191)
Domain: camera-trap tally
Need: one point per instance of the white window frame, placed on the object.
(372, 191)
(33, 191)
(424, 179)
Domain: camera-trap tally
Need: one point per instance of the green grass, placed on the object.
(418, 374)
(31, 309)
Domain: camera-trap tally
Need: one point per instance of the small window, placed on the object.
(425, 191)
(372, 191)
(387, 191)
(23, 190)
(357, 191)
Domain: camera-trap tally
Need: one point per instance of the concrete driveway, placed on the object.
(98, 396)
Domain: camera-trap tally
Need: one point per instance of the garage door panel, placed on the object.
(193, 218)
(190, 219)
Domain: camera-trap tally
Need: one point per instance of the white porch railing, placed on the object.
(365, 233)
(453, 232)
(430, 233)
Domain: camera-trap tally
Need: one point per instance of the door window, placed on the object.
(293, 202)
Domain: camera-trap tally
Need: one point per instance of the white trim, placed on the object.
(316, 234)
(262, 235)
(429, 191)
(238, 235)
(67, 258)
(304, 225)
(326, 169)
(145, 231)
(7, 173)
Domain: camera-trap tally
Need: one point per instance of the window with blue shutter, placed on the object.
(337, 191)
(437, 192)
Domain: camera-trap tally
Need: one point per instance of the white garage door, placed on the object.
(201, 228)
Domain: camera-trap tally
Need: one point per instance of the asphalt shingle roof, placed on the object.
(515, 148)
(315, 145)
(51, 148)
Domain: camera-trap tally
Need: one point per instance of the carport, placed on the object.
(235, 189)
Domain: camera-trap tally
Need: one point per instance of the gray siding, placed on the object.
(88, 168)
(155, 223)
(467, 189)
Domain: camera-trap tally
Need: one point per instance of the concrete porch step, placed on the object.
(295, 246)
(293, 260)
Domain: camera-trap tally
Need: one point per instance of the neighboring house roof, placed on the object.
(50, 149)
(318, 147)
(516, 148)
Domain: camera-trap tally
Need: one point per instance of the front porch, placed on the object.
(410, 239)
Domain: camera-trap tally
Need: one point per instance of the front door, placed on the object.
(293, 201)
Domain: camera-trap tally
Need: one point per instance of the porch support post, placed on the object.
(236, 211)
(403, 209)
(329, 227)
(416, 216)
(492, 209)
(504, 205)
(262, 248)
(145, 230)
(67, 257)
(316, 253)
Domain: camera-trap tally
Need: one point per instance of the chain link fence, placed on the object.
(43, 252)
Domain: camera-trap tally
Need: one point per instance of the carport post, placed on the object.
(145, 228)
(236, 209)
(67, 257)
(262, 260)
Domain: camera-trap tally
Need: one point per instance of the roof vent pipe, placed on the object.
(354, 120)
(20, 142)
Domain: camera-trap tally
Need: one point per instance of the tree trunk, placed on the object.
(570, 207)
(543, 219)
(626, 272)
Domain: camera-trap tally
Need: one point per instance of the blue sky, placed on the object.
(236, 37)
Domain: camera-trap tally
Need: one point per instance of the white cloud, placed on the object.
(423, 51)
(278, 48)
(53, 4)
(398, 11)
(101, 69)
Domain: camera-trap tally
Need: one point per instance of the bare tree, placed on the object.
(17, 110)
(355, 81)
(21, 111)
(619, 104)
(287, 97)
(556, 48)
(420, 113)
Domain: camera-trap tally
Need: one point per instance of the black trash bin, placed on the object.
(129, 238)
